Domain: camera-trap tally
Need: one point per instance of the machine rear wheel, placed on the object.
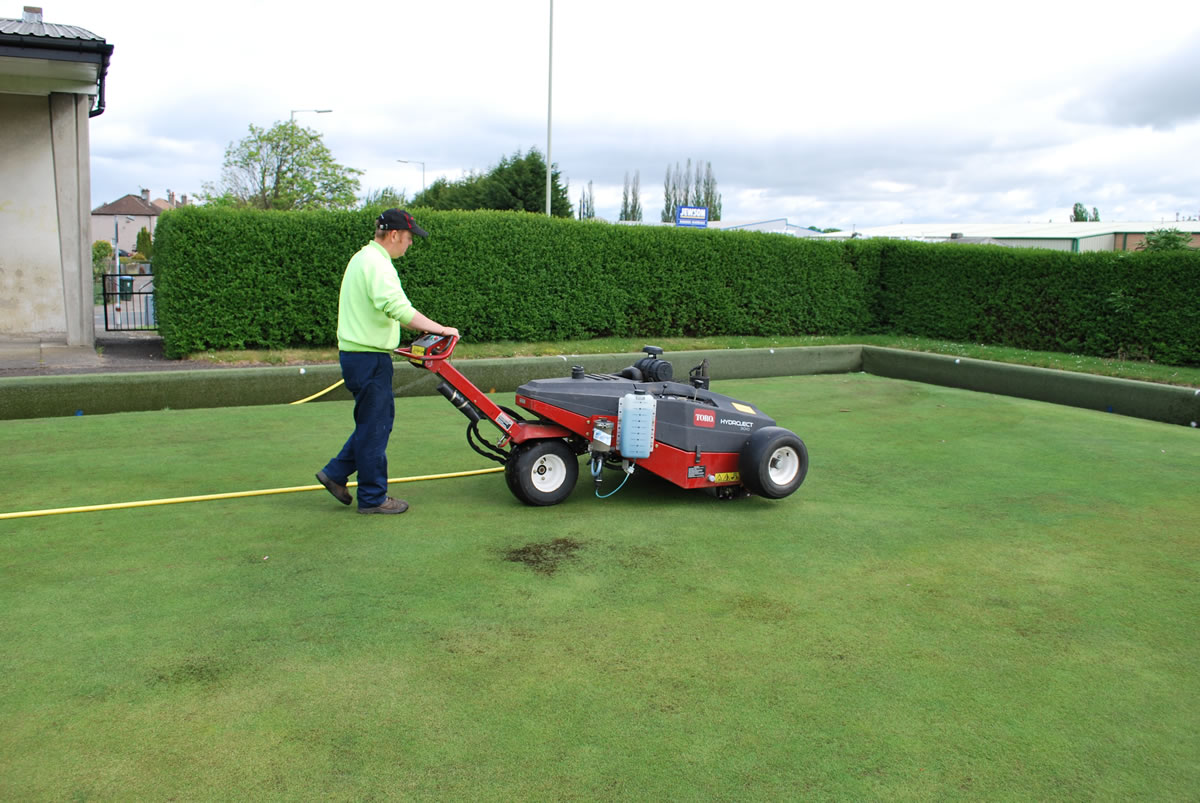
(773, 462)
(542, 472)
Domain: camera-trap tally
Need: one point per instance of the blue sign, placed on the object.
(695, 216)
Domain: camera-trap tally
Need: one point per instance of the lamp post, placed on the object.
(549, 98)
(116, 281)
(422, 164)
(292, 119)
(117, 242)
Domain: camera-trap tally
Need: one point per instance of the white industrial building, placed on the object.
(1118, 236)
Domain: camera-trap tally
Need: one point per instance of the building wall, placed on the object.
(31, 301)
(127, 230)
(45, 260)
(1130, 241)
(1054, 244)
(1104, 242)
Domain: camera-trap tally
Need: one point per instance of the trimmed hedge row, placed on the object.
(238, 279)
(1102, 303)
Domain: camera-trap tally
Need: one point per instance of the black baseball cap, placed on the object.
(399, 220)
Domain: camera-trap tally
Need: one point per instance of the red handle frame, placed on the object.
(516, 431)
(430, 356)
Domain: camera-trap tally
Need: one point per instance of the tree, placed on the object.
(284, 167)
(516, 182)
(225, 200)
(631, 202)
(708, 193)
(101, 257)
(677, 190)
(1167, 240)
(587, 204)
(145, 246)
(668, 211)
(635, 197)
(1079, 214)
(685, 188)
(386, 198)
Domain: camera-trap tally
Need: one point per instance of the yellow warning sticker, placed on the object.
(728, 476)
(745, 408)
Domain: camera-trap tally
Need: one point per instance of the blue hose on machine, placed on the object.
(597, 467)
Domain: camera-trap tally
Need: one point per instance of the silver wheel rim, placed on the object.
(548, 473)
(783, 466)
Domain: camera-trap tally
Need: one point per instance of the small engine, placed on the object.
(650, 368)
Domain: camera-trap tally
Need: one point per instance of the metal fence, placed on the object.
(129, 302)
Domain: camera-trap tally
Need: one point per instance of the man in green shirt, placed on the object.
(372, 306)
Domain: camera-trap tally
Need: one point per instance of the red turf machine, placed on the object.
(636, 418)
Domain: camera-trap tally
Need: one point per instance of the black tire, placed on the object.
(773, 463)
(510, 469)
(542, 472)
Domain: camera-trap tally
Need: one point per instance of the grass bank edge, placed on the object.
(1144, 371)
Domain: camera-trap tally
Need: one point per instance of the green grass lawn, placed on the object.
(971, 597)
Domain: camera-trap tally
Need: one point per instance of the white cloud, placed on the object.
(831, 115)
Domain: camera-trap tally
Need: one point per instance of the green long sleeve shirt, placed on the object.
(372, 304)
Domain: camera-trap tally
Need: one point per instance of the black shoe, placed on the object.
(340, 492)
(390, 505)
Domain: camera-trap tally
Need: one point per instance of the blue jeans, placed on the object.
(368, 376)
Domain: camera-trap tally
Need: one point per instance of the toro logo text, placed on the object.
(701, 418)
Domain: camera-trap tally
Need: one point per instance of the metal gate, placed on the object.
(129, 302)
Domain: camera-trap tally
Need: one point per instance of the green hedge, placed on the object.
(1102, 303)
(238, 279)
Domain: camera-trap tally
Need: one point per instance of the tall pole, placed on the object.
(422, 164)
(549, 100)
(292, 117)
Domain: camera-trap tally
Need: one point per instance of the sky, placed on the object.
(832, 115)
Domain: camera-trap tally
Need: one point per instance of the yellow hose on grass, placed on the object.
(319, 393)
(26, 514)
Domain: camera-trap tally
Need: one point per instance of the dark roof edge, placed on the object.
(31, 42)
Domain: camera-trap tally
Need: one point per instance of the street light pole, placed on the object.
(115, 286)
(422, 164)
(549, 100)
(292, 119)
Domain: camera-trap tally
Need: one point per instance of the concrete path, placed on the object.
(113, 351)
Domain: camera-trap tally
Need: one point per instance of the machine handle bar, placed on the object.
(430, 355)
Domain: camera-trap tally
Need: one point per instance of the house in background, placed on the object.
(51, 83)
(129, 214)
(170, 202)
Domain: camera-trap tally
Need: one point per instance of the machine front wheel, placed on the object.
(542, 472)
(773, 462)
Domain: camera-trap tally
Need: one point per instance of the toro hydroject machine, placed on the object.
(638, 418)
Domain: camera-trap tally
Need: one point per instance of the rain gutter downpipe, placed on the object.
(99, 109)
(91, 51)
